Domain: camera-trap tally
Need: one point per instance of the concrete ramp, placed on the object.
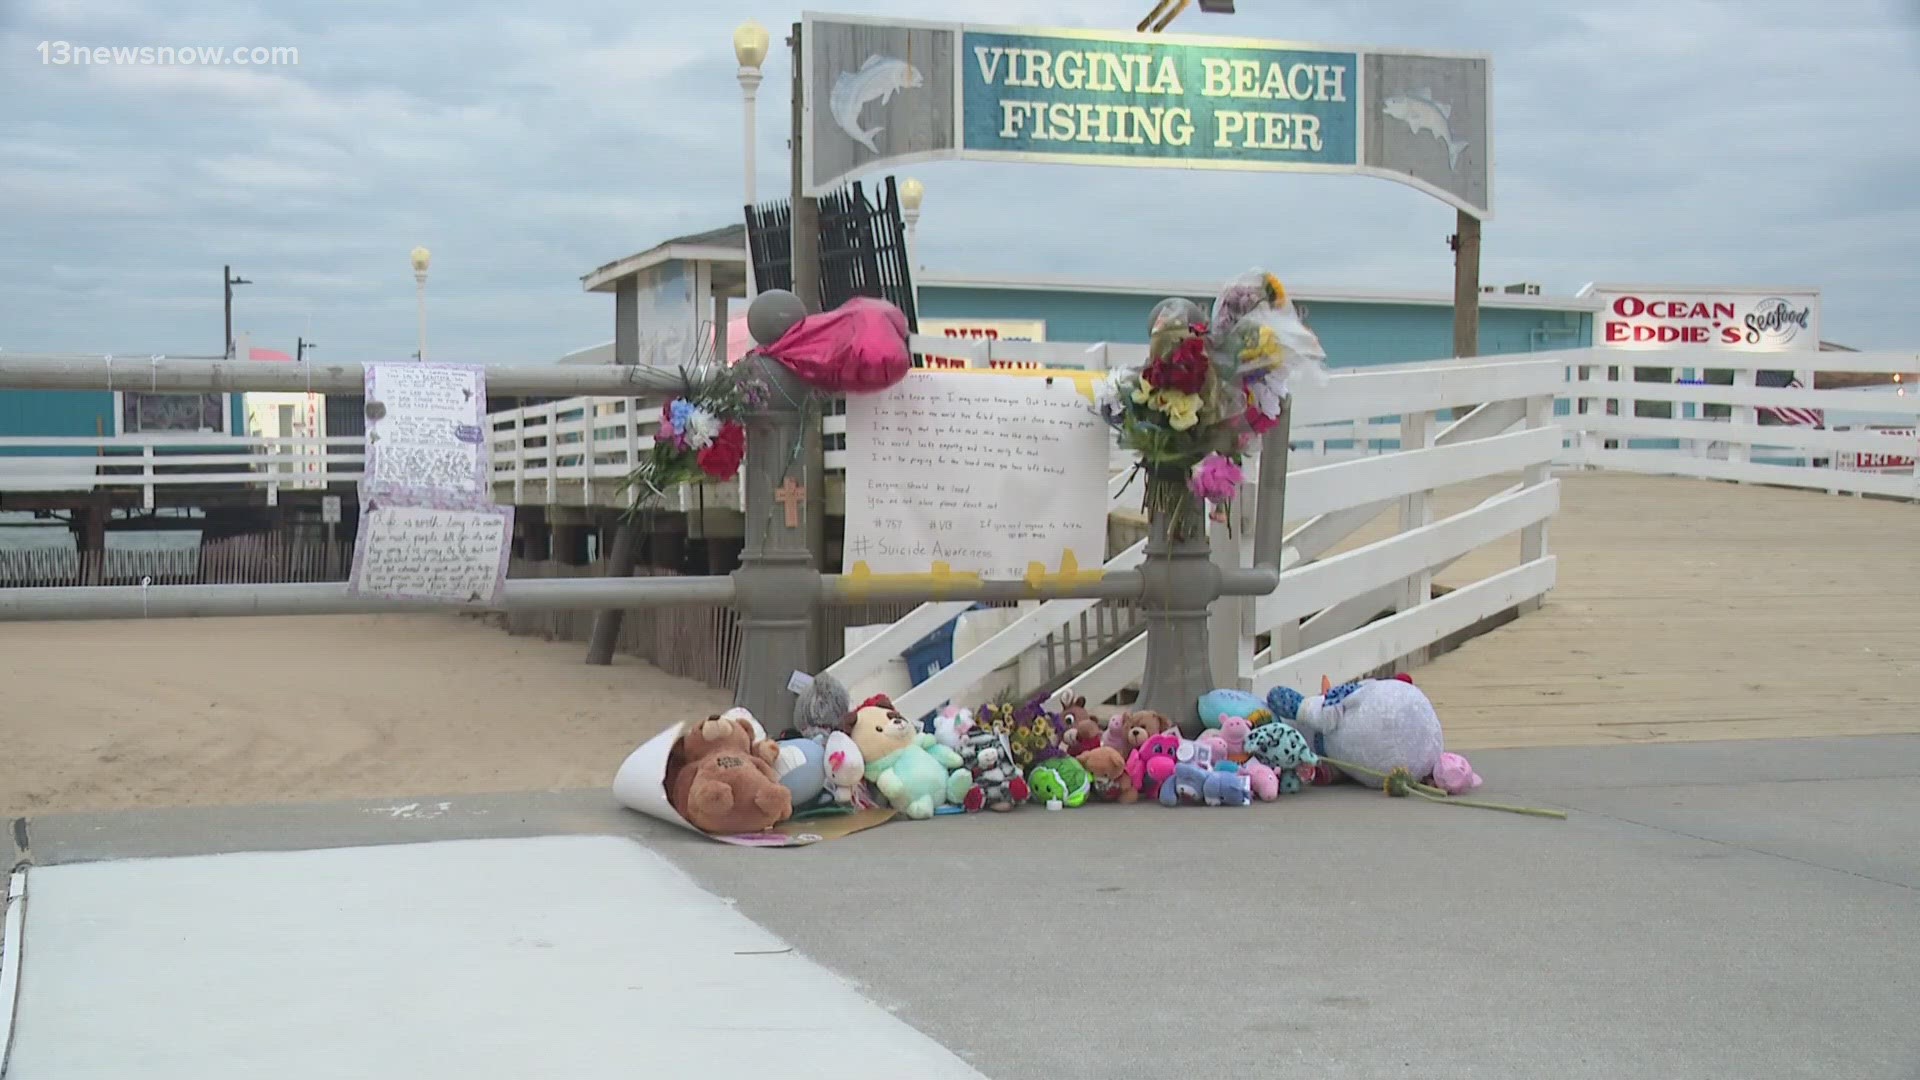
(581, 957)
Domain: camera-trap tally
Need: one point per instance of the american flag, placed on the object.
(1788, 414)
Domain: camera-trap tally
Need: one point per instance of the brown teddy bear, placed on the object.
(721, 778)
(1108, 767)
(1130, 731)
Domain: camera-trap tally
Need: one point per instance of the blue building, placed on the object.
(1357, 326)
(664, 294)
(200, 419)
(71, 462)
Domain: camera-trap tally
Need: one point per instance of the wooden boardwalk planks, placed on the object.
(1691, 610)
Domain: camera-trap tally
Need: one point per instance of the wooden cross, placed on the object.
(790, 495)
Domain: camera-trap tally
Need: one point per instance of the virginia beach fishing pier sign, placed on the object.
(887, 92)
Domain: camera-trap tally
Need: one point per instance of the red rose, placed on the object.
(1184, 369)
(721, 458)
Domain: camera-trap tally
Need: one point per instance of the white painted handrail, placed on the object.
(1607, 433)
(1348, 460)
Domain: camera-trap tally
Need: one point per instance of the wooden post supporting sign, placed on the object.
(1466, 284)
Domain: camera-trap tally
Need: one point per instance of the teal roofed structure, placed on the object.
(665, 293)
(1357, 326)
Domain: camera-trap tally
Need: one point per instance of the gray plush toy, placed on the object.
(822, 708)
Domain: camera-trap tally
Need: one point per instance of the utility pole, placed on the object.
(300, 347)
(806, 211)
(227, 282)
(805, 249)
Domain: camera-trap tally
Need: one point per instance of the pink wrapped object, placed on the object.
(858, 347)
(1454, 775)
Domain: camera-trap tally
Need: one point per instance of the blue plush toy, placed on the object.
(1216, 705)
(1188, 784)
(1280, 745)
(1282, 748)
(1228, 787)
(802, 768)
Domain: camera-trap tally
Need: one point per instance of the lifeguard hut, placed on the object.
(673, 300)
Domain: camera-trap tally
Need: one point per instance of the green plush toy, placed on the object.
(915, 774)
(1062, 780)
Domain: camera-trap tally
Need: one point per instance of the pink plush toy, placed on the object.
(1233, 732)
(1217, 742)
(1116, 735)
(1154, 762)
(1453, 775)
(1266, 782)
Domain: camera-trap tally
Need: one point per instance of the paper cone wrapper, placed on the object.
(641, 784)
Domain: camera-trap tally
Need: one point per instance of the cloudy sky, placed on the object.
(1736, 142)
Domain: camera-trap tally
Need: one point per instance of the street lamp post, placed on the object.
(227, 282)
(750, 43)
(911, 192)
(421, 257)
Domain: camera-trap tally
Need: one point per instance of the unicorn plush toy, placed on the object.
(1378, 724)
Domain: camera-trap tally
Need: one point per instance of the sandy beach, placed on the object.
(106, 715)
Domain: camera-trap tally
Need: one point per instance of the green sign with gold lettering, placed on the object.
(883, 92)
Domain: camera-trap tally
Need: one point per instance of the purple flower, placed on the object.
(1215, 479)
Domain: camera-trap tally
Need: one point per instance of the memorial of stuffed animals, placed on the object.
(1213, 383)
(726, 776)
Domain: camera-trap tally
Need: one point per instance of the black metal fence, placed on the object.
(770, 244)
(863, 248)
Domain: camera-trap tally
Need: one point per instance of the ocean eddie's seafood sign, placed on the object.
(883, 93)
(1667, 317)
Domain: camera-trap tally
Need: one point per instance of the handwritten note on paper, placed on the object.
(424, 553)
(426, 432)
(987, 474)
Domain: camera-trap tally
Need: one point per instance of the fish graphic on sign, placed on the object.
(1421, 113)
(878, 79)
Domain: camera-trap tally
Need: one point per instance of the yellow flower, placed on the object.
(1142, 392)
(1265, 343)
(1276, 290)
(1183, 410)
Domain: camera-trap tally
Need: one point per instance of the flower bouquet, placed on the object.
(702, 434)
(1209, 387)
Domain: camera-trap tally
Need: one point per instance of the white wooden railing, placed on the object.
(1608, 432)
(1320, 620)
(577, 451)
(148, 462)
(1373, 440)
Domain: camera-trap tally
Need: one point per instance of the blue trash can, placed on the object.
(928, 656)
(931, 653)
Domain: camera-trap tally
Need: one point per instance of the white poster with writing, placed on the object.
(426, 434)
(428, 528)
(1003, 476)
(432, 553)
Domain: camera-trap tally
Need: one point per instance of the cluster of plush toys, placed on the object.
(1376, 725)
(725, 776)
